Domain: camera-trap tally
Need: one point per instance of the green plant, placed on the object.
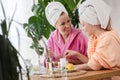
(10, 68)
(38, 26)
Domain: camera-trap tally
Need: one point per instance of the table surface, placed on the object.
(90, 75)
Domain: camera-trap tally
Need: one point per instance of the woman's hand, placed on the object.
(77, 61)
(49, 53)
(70, 53)
(58, 56)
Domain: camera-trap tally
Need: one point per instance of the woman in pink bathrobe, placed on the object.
(104, 43)
(65, 37)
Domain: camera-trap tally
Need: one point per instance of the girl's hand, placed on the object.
(81, 57)
(82, 67)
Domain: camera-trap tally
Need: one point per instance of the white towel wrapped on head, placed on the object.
(95, 12)
(53, 11)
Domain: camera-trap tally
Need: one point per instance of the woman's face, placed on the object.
(63, 24)
(88, 28)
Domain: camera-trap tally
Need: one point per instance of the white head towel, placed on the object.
(53, 10)
(95, 12)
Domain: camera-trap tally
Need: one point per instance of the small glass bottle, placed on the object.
(63, 63)
(49, 66)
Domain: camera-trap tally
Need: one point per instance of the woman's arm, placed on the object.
(82, 67)
(81, 57)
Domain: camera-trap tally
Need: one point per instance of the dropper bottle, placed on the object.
(49, 66)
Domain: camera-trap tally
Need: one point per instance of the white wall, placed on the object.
(115, 15)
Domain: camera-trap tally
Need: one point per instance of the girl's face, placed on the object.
(63, 24)
(88, 28)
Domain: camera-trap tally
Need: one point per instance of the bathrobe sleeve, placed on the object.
(107, 53)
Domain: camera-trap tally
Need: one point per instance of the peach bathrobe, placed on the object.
(104, 51)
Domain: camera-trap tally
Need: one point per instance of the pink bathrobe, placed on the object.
(76, 41)
(104, 51)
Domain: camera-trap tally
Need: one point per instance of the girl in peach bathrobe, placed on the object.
(104, 43)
